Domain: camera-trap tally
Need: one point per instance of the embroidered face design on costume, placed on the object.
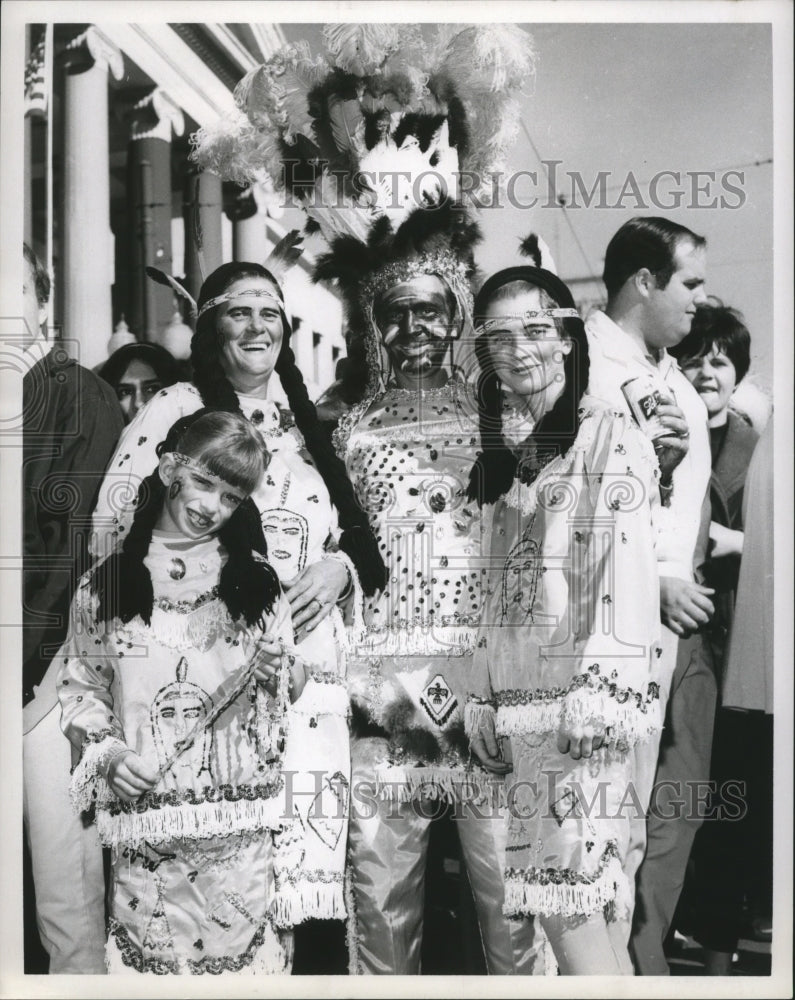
(415, 322)
(198, 504)
(527, 351)
(177, 709)
(287, 536)
(520, 578)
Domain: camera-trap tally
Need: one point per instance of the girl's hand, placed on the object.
(267, 656)
(129, 777)
(579, 741)
(314, 592)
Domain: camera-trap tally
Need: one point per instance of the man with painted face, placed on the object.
(408, 444)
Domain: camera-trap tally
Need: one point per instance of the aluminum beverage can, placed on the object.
(644, 394)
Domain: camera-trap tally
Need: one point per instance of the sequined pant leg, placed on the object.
(388, 844)
(512, 947)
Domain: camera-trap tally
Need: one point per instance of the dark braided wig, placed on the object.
(496, 467)
(357, 539)
(248, 585)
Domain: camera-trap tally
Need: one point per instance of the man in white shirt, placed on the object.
(654, 274)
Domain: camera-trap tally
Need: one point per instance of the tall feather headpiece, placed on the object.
(387, 141)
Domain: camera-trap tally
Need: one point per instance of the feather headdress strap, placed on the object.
(166, 279)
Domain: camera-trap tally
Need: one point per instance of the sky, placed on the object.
(640, 99)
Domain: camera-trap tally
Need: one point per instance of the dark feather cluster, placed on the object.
(528, 247)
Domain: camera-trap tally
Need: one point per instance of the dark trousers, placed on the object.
(731, 877)
(679, 802)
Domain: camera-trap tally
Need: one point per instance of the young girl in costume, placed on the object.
(566, 658)
(175, 687)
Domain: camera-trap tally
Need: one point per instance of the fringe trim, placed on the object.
(402, 784)
(419, 640)
(532, 892)
(541, 717)
(88, 786)
(629, 721)
(353, 633)
(328, 696)
(477, 714)
(194, 822)
(351, 926)
(309, 896)
(196, 629)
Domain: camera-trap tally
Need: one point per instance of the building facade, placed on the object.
(109, 187)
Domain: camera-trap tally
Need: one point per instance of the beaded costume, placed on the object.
(570, 632)
(193, 887)
(299, 525)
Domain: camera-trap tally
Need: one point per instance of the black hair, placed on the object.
(357, 539)
(158, 358)
(649, 242)
(721, 327)
(40, 276)
(496, 467)
(248, 585)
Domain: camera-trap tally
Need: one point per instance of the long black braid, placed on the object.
(357, 539)
(248, 585)
(496, 467)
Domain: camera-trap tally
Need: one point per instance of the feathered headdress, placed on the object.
(386, 140)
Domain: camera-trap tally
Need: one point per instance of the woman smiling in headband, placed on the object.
(565, 663)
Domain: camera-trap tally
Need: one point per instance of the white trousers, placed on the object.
(66, 854)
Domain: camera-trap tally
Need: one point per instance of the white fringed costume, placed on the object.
(193, 887)
(570, 633)
(299, 524)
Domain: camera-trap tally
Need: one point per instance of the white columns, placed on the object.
(87, 266)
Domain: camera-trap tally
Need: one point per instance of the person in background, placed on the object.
(72, 422)
(715, 357)
(138, 372)
(729, 890)
(654, 274)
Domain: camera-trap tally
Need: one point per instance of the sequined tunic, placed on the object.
(570, 635)
(193, 886)
(409, 455)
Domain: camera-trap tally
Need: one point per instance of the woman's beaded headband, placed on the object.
(259, 293)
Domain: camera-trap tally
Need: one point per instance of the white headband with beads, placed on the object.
(259, 293)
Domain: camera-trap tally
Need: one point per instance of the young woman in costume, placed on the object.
(565, 663)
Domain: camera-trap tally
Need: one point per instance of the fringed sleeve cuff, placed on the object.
(351, 601)
(626, 715)
(478, 712)
(89, 785)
